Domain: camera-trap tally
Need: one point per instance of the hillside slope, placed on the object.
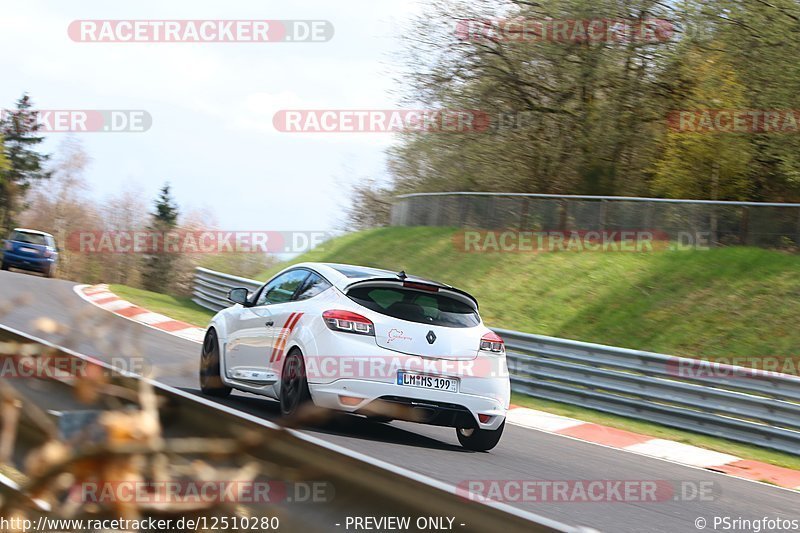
(726, 302)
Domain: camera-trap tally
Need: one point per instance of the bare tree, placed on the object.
(124, 212)
(370, 206)
(59, 206)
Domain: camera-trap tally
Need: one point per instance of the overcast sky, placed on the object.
(212, 104)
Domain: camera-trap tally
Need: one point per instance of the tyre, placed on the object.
(294, 385)
(480, 440)
(4, 266)
(210, 380)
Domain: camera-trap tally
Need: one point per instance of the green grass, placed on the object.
(183, 309)
(745, 451)
(720, 303)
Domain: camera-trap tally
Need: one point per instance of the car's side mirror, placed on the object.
(238, 296)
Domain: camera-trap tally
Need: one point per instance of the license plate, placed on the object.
(29, 250)
(422, 381)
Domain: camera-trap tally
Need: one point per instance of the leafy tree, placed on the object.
(25, 165)
(584, 117)
(762, 40)
(158, 268)
(567, 116)
(712, 164)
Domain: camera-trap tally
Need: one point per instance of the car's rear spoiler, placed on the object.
(415, 283)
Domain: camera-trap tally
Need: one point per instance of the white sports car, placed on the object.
(371, 342)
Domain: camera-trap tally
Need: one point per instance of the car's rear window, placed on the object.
(29, 238)
(416, 306)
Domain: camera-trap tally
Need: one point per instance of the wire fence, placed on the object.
(718, 223)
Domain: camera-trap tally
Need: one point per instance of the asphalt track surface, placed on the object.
(523, 454)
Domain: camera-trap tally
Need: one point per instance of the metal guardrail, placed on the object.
(735, 403)
(211, 288)
(360, 485)
(731, 402)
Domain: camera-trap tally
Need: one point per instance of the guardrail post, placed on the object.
(744, 234)
(648, 216)
(797, 240)
(523, 217)
(714, 226)
(603, 215)
(562, 215)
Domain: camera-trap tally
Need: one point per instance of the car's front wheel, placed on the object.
(294, 385)
(480, 440)
(210, 380)
(4, 266)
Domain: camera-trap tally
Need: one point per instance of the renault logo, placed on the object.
(431, 336)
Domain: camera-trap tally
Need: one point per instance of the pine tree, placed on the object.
(158, 268)
(24, 164)
(4, 164)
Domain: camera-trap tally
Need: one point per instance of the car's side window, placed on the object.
(314, 285)
(282, 288)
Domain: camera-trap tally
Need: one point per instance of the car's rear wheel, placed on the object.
(480, 440)
(294, 385)
(210, 380)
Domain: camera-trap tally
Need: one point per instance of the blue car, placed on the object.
(29, 249)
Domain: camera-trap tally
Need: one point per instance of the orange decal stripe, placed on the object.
(290, 324)
(277, 342)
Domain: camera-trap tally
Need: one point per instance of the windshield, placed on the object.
(29, 238)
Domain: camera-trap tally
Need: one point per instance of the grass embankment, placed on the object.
(724, 303)
(183, 309)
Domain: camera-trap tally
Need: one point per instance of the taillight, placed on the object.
(48, 253)
(420, 286)
(338, 320)
(8, 245)
(491, 342)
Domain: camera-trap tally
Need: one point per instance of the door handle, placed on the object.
(270, 323)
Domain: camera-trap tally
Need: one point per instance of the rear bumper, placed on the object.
(351, 373)
(439, 408)
(424, 412)
(26, 262)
